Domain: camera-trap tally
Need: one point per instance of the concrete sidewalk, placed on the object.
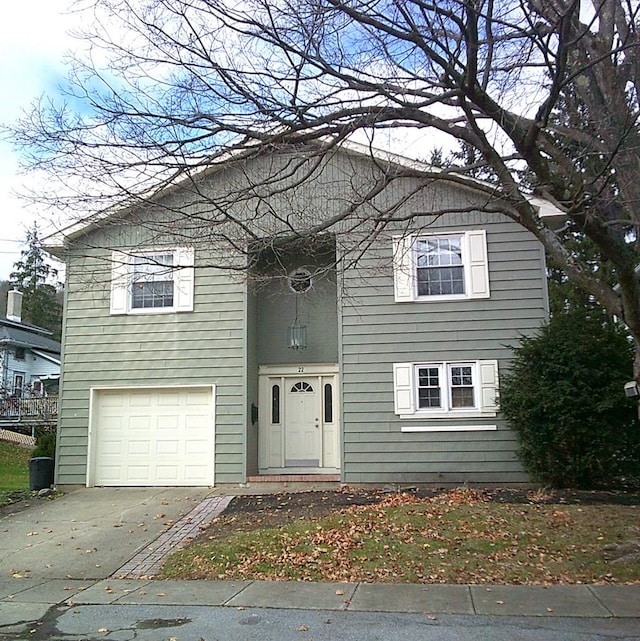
(600, 601)
(97, 547)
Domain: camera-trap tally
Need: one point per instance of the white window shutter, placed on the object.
(403, 388)
(488, 386)
(119, 303)
(478, 264)
(403, 269)
(184, 279)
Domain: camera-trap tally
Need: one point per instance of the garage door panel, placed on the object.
(168, 399)
(195, 449)
(196, 397)
(169, 422)
(156, 437)
(138, 448)
(142, 423)
(168, 448)
(140, 399)
(170, 473)
(196, 421)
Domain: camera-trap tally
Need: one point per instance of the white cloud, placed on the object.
(34, 36)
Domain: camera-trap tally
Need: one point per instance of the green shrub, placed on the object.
(45, 445)
(564, 398)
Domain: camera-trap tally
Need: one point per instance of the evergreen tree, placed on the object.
(562, 398)
(33, 276)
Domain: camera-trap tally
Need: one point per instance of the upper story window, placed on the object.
(441, 266)
(20, 353)
(445, 389)
(151, 282)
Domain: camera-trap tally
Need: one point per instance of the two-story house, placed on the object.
(29, 357)
(208, 341)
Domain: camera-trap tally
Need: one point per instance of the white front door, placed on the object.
(299, 419)
(302, 422)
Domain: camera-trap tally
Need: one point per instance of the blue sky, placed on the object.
(34, 36)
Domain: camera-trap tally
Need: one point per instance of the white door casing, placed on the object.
(299, 419)
(162, 436)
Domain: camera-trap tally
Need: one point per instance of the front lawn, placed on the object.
(455, 537)
(14, 472)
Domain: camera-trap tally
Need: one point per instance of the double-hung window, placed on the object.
(445, 389)
(152, 282)
(446, 386)
(439, 266)
(436, 267)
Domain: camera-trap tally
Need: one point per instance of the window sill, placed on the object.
(148, 311)
(448, 428)
(454, 416)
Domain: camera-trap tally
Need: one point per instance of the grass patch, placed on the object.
(453, 538)
(14, 472)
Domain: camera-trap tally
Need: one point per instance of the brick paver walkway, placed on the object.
(148, 562)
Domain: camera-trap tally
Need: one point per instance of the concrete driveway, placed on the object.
(88, 533)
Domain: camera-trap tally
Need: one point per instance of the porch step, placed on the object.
(294, 478)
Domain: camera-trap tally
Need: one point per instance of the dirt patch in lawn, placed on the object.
(256, 512)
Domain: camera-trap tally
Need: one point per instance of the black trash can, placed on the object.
(40, 472)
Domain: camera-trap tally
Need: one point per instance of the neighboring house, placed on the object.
(181, 370)
(29, 357)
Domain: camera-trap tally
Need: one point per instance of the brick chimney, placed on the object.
(14, 306)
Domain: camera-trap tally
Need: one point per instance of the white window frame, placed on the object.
(445, 386)
(122, 271)
(19, 389)
(485, 391)
(474, 261)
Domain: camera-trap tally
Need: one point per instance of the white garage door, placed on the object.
(144, 437)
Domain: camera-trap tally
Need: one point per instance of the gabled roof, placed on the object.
(23, 335)
(57, 241)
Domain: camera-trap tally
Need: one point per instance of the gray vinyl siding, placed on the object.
(203, 347)
(234, 329)
(252, 400)
(317, 310)
(377, 332)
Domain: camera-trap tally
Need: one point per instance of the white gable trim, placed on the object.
(46, 356)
